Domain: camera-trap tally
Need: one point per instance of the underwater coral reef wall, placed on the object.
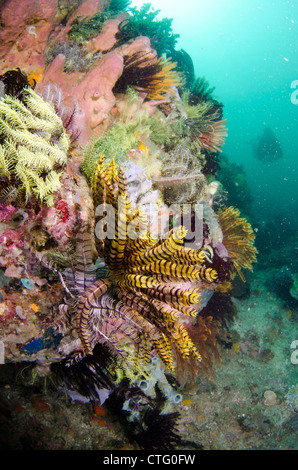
(100, 119)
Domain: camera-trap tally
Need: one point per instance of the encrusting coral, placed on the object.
(33, 149)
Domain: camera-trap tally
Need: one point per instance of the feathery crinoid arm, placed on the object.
(89, 300)
(238, 238)
(163, 249)
(34, 150)
(178, 270)
(5, 165)
(109, 187)
(10, 113)
(41, 108)
(85, 271)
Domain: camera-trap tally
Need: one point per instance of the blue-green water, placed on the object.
(248, 51)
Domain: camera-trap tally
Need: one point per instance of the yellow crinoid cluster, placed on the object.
(144, 72)
(164, 80)
(147, 273)
(33, 149)
(238, 238)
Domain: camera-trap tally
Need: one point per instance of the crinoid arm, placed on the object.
(88, 301)
(238, 238)
(33, 149)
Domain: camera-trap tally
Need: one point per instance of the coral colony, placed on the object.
(114, 230)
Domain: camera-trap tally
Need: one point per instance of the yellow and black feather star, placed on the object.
(144, 299)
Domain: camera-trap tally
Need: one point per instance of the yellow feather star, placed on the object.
(238, 238)
(142, 298)
(34, 149)
(163, 81)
